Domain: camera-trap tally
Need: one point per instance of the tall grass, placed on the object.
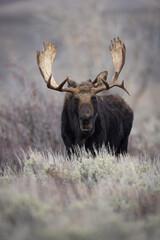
(101, 198)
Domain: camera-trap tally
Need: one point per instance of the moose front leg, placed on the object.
(93, 144)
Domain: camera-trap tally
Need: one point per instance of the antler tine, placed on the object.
(45, 62)
(118, 52)
(60, 87)
(120, 86)
(107, 87)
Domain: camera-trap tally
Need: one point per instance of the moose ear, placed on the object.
(71, 83)
(89, 80)
(98, 81)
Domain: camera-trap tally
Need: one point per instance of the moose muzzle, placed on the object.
(85, 118)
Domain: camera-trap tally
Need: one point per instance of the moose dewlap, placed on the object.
(87, 119)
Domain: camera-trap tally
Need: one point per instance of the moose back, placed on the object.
(87, 119)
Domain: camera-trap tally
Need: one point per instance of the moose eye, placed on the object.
(93, 98)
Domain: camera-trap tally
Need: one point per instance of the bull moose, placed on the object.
(87, 119)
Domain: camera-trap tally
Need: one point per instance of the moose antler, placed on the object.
(45, 62)
(118, 52)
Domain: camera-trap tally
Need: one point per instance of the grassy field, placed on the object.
(86, 198)
(43, 195)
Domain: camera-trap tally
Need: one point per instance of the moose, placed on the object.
(87, 119)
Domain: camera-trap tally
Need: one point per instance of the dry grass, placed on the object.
(85, 198)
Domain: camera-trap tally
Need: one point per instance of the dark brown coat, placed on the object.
(94, 121)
